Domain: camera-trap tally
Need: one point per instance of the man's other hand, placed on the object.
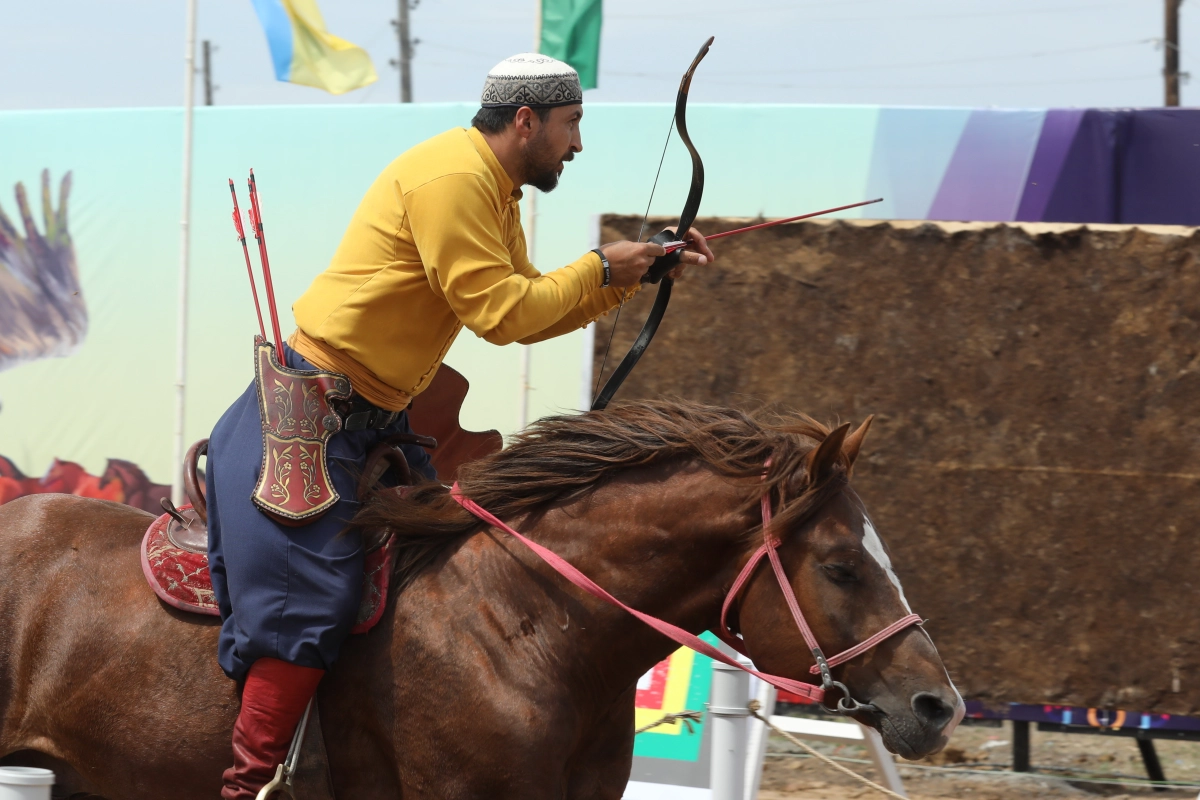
(628, 262)
(697, 253)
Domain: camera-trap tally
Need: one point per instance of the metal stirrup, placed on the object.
(282, 782)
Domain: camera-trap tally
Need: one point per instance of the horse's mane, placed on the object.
(560, 459)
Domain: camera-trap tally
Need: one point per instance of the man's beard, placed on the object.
(541, 164)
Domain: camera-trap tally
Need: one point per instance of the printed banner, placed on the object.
(89, 237)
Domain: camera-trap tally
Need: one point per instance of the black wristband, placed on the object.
(607, 268)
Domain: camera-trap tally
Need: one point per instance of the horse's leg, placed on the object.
(357, 711)
(94, 670)
(446, 698)
(600, 767)
(427, 722)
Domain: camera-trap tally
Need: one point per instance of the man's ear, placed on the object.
(524, 121)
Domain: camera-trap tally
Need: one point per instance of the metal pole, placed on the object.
(181, 312)
(523, 400)
(527, 350)
(1171, 53)
(589, 335)
(1153, 766)
(405, 54)
(531, 251)
(1020, 746)
(885, 766)
(537, 26)
(727, 720)
(756, 746)
(208, 87)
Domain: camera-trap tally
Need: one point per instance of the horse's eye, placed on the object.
(840, 573)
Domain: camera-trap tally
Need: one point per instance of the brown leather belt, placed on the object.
(364, 416)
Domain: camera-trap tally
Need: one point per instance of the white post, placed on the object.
(189, 89)
(766, 696)
(531, 250)
(537, 26)
(523, 399)
(526, 350)
(589, 334)
(727, 720)
(885, 765)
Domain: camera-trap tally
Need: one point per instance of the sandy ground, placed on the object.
(1055, 758)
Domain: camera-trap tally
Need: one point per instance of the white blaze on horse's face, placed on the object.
(875, 549)
(874, 546)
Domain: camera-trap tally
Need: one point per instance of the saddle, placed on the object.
(174, 552)
(175, 563)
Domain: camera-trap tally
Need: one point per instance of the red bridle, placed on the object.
(679, 635)
(823, 665)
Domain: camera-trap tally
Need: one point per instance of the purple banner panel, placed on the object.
(1088, 188)
(1085, 717)
(987, 173)
(1053, 147)
(1160, 168)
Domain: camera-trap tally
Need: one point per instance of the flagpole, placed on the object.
(527, 350)
(531, 249)
(181, 331)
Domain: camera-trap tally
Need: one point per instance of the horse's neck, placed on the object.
(665, 544)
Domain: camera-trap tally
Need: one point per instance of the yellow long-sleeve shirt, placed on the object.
(435, 245)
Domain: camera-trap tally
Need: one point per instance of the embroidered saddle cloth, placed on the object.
(175, 563)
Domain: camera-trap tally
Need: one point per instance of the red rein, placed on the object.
(768, 548)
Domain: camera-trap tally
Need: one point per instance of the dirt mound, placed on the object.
(1035, 460)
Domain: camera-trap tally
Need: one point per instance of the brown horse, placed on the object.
(489, 675)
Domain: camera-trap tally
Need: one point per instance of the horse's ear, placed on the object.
(854, 441)
(819, 463)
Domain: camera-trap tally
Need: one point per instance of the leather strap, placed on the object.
(677, 634)
(690, 640)
(607, 267)
(769, 548)
(375, 419)
(313, 780)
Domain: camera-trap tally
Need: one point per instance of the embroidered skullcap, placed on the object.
(531, 79)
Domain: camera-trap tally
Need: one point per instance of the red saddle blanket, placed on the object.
(175, 562)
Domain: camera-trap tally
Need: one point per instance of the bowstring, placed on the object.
(641, 232)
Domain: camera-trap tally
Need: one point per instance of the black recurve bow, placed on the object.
(663, 264)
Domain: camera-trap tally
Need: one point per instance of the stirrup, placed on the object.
(282, 782)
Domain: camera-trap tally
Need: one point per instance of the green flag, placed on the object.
(569, 30)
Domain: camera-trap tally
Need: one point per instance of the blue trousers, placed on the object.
(285, 593)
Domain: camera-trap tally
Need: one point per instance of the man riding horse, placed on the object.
(435, 245)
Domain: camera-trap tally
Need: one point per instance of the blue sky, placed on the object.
(1009, 53)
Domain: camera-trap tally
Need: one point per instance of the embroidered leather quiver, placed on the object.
(298, 418)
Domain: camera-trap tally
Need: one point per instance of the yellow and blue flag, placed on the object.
(305, 52)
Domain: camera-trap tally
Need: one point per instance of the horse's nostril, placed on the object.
(932, 710)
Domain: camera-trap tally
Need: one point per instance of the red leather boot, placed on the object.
(273, 702)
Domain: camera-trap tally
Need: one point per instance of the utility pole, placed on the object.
(1170, 51)
(406, 50)
(208, 84)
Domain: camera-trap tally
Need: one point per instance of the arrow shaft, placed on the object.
(241, 236)
(672, 247)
